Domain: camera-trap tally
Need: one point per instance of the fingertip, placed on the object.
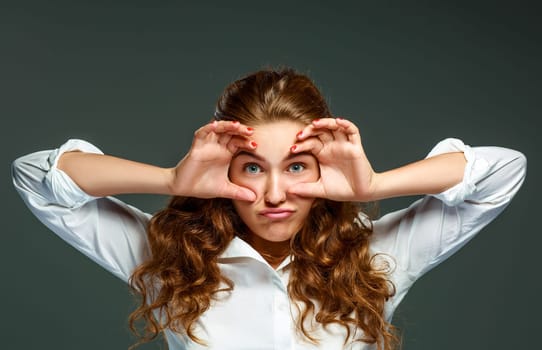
(305, 132)
(249, 196)
(342, 121)
(307, 189)
(241, 194)
(296, 189)
(235, 125)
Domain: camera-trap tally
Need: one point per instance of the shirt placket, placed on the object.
(282, 319)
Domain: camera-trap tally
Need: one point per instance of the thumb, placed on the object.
(308, 189)
(241, 193)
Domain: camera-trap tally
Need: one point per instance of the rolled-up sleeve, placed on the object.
(434, 227)
(107, 230)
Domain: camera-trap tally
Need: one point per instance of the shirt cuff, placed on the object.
(475, 169)
(65, 191)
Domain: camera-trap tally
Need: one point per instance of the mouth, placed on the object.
(276, 213)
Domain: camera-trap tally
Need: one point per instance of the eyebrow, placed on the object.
(262, 159)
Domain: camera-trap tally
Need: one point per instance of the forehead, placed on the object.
(274, 140)
(278, 130)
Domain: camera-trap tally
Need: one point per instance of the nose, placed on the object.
(275, 192)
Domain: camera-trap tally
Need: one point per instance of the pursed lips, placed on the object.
(276, 213)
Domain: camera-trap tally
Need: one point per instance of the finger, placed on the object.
(326, 128)
(340, 135)
(224, 139)
(221, 132)
(307, 189)
(310, 131)
(233, 127)
(205, 130)
(333, 126)
(313, 145)
(325, 123)
(350, 130)
(325, 136)
(235, 143)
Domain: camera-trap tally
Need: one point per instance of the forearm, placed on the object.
(428, 176)
(104, 175)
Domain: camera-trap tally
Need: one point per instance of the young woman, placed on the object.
(263, 244)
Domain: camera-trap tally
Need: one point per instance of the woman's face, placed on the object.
(269, 171)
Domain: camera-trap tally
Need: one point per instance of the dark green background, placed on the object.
(137, 78)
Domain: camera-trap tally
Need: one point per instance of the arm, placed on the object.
(68, 189)
(466, 187)
(428, 176)
(202, 173)
(104, 175)
(108, 231)
(347, 175)
(434, 227)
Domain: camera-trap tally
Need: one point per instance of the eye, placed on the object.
(296, 168)
(252, 168)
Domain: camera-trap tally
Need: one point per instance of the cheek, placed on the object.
(252, 183)
(309, 176)
(314, 175)
(242, 208)
(237, 177)
(304, 206)
(309, 203)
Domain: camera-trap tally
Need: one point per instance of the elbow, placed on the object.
(520, 166)
(513, 172)
(17, 171)
(499, 177)
(27, 172)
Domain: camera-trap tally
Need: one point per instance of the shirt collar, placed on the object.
(238, 248)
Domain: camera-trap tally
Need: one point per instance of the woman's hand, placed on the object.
(203, 172)
(345, 171)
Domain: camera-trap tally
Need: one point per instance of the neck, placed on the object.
(273, 252)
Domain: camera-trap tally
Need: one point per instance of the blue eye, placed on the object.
(253, 168)
(296, 168)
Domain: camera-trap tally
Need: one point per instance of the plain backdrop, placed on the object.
(136, 78)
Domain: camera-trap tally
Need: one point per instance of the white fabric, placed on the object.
(258, 314)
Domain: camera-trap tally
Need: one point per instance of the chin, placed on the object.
(275, 236)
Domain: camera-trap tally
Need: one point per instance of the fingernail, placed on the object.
(234, 122)
(253, 144)
(250, 129)
(293, 148)
(299, 133)
(339, 118)
(316, 120)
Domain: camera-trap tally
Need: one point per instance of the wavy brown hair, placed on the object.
(333, 275)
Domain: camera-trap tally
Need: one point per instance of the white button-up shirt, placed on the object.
(258, 313)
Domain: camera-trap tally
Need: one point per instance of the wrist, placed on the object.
(171, 187)
(372, 192)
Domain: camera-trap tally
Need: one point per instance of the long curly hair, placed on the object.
(334, 278)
